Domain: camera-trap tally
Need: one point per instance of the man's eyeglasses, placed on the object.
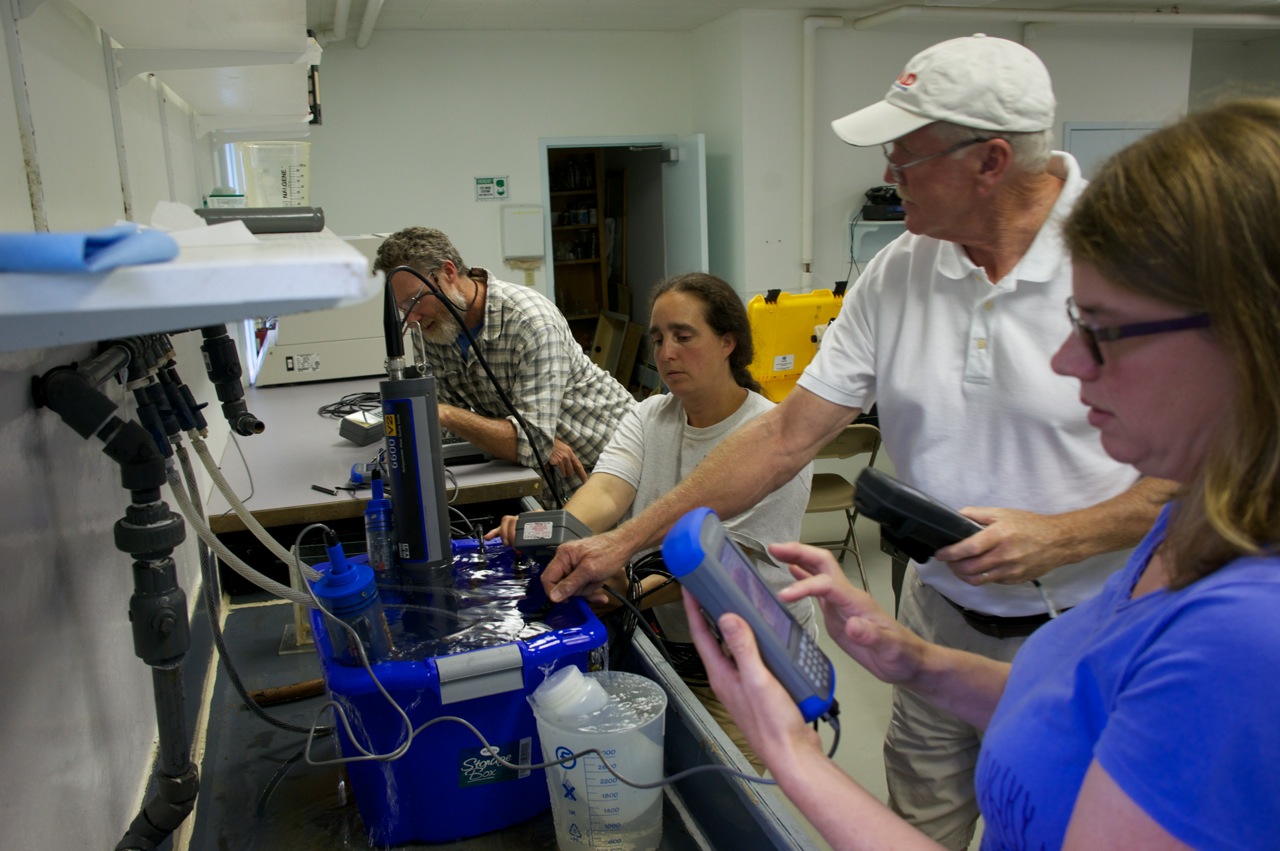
(410, 303)
(1092, 336)
(897, 170)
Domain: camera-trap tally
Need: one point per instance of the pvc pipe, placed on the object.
(371, 11)
(1222, 21)
(341, 14)
(341, 19)
(811, 26)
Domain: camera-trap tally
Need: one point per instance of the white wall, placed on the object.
(1118, 74)
(77, 719)
(772, 152)
(412, 120)
(1221, 66)
(476, 104)
(719, 87)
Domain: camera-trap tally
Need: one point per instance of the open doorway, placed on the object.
(621, 214)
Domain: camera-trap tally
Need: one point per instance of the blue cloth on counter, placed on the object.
(85, 251)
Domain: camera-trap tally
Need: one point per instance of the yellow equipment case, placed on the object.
(785, 328)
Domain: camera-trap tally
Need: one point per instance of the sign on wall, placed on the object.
(491, 188)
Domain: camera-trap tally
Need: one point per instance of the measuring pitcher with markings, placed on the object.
(275, 174)
(623, 716)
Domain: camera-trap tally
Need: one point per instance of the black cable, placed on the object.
(658, 641)
(853, 260)
(261, 810)
(434, 289)
(643, 567)
(234, 676)
(350, 404)
(655, 589)
(832, 717)
(624, 620)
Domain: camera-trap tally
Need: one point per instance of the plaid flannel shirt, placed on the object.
(556, 388)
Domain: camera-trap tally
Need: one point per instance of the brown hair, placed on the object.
(424, 249)
(722, 309)
(1190, 215)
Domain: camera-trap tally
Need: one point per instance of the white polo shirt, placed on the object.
(970, 411)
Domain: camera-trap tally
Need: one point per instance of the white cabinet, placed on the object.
(283, 273)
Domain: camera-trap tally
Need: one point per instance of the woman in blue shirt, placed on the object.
(1149, 716)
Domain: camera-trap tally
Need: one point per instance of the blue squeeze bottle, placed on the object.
(348, 593)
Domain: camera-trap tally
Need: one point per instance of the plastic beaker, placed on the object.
(276, 174)
(623, 716)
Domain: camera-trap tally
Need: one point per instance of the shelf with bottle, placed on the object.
(576, 185)
(574, 217)
(574, 171)
(576, 245)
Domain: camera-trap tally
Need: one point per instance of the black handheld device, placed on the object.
(707, 562)
(539, 533)
(914, 522)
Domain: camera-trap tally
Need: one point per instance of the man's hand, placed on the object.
(582, 567)
(1017, 546)
(507, 529)
(565, 460)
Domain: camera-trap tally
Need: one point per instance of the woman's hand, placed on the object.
(865, 631)
(507, 529)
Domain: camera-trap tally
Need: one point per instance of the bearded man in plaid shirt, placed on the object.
(571, 405)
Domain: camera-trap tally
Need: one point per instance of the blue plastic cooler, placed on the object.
(445, 788)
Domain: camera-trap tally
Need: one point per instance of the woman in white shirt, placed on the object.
(702, 348)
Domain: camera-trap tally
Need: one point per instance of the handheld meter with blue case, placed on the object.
(701, 555)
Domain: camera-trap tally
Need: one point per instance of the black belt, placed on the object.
(998, 627)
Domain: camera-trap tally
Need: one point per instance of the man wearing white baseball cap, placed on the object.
(978, 82)
(950, 328)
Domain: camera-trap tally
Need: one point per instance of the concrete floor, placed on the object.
(865, 702)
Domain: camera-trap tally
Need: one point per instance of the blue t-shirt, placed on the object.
(1176, 694)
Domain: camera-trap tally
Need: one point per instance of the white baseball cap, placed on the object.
(977, 81)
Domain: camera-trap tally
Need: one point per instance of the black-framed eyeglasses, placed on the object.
(1092, 336)
(897, 170)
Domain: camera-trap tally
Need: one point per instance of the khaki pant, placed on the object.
(717, 710)
(930, 755)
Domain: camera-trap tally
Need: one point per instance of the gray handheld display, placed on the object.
(707, 562)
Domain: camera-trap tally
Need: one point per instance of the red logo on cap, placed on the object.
(906, 78)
